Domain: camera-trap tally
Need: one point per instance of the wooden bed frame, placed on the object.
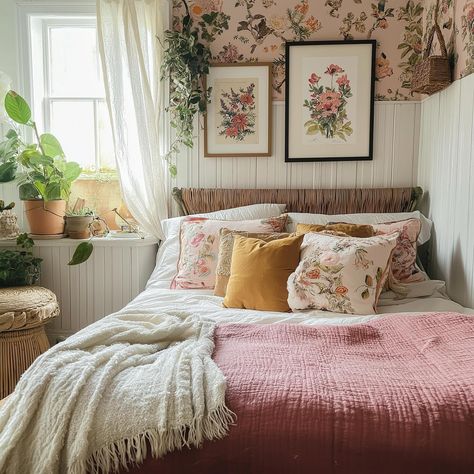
(316, 201)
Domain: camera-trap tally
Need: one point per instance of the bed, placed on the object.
(293, 417)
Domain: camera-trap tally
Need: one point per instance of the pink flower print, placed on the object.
(197, 239)
(343, 81)
(334, 69)
(231, 132)
(329, 258)
(239, 121)
(314, 78)
(329, 102)
(382, 67)
(246, 99)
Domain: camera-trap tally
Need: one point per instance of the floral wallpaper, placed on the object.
(256, 30)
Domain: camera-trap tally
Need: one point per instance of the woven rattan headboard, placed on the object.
(317, 201)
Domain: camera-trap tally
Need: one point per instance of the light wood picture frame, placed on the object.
(238, 121)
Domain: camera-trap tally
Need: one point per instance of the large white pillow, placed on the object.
(168, 253)
(363, 218)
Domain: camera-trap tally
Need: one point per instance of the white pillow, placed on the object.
(168, 253)
(363, 218)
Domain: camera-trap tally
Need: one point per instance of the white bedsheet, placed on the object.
(423, 297)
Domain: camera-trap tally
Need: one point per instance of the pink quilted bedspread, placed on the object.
(392, 396)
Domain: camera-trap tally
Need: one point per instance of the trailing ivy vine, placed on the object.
(186, 61)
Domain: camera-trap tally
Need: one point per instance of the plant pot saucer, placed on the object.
(47, 237)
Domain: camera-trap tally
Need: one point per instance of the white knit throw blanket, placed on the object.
(123, 388)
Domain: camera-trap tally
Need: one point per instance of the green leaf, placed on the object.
(365, 294)
(72, 171)
(7, 172)
(82, 253)
(28, 191)
(52, 192)
(17, 108)
(51, 145)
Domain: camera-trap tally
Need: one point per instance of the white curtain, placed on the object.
(131, 56)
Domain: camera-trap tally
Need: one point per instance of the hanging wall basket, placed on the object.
(432, 73)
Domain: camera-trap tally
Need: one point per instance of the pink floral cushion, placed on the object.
(199, 240)
(404, 267)
(341, 274)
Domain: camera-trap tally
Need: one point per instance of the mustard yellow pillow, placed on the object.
(259, 272)
(352, 230)
(224, 258)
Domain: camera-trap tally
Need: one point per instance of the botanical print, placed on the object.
(256, 30)
(327, 103)
(199, 247)
(467, 32)
(237, 112)
(411, 46)
(340, 274)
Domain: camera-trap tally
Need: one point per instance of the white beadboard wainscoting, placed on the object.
(446, 173)
(395, 159)
(116, 272)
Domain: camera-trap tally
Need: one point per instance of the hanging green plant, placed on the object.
(186, 61)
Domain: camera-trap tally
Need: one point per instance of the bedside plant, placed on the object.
(19, 267)
(45, 184)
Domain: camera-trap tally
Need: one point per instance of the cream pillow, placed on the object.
(341, 274)
(199, 246)
(168, 253)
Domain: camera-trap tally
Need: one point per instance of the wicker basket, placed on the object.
(432, 73)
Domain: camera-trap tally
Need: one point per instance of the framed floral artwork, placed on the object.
(238, 121)
(329, 109)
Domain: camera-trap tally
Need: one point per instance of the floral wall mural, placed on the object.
(256, 30)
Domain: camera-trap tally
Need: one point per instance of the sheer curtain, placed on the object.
(131, 56)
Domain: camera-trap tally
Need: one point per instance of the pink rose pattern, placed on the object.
(237, 112)
(251, 30)
(327, 104)
(403, 267)
(340, 274)
(199, 240)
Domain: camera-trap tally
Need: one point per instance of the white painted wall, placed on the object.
(446, 173)
(8, 40)
(395, 159)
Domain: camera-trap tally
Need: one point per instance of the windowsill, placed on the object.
(97, 241)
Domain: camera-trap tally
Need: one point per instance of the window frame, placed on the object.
(34, 26)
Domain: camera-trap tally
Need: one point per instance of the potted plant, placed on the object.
(45, 183)
(19, 267)
(78, 223)
(8, 221)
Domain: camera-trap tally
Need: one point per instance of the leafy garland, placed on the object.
(186, 61)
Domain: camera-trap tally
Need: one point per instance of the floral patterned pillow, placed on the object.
(404, 267)
(199, 241)
(341, 274)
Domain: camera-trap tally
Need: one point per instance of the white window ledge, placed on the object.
(97, 241)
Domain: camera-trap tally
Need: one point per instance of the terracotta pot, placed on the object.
(45, 217)
(77, 227)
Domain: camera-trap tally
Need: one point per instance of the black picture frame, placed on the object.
(294, 44)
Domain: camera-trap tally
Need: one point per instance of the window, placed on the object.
(68, 90)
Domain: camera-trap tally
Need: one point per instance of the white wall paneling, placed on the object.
(116, 272)
(395, 159)
(446, 170)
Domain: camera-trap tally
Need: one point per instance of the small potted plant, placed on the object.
(19, 267)
(8, 221)
(45, 183)
(78, 223)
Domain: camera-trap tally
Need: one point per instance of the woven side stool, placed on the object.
(24, 310)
